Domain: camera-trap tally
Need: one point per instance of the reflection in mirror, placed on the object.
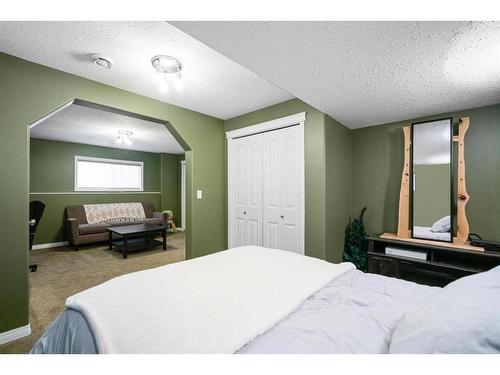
(431, 198)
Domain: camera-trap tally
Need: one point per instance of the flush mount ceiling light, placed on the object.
(124, 137)
(168, 70)
(102, 61)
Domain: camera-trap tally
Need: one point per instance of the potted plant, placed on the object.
(355, 236)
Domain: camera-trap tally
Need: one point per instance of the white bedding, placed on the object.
(213, 304)
(425, 232)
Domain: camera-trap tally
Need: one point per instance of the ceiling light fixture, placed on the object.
(124, 137)
(169, 72)
(102, 61)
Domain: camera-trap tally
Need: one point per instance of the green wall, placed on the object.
(52, 171)
(338, 141)
(321, 186)
(431, 197)
(52, 164)
(378, 162)
(171, 185)
(29, 92)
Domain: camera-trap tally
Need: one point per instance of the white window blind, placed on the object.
(96, 174)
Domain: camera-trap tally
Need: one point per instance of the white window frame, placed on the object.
(108, 161)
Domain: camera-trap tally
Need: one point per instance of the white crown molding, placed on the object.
(50, 245)
(278, 123)
(15, 334)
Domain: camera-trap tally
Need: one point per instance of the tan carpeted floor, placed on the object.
(63, 272)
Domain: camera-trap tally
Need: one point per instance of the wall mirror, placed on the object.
(431, 180)
(433, 194)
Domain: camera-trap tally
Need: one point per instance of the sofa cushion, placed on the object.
(93, 228)
(101, 227)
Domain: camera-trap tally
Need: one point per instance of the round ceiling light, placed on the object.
(102, 61)
(169, 72)
(124, 137)
(166, 64)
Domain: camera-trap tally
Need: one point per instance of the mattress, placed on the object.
(354, 313)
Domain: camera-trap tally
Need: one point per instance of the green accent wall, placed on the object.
(325, 174)
(338, 140)
(29, 92)
(431, 197)
(378, 162)
(52, 171)
(52, 164)
(171, 185)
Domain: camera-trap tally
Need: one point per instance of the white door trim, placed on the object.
(296, 119)
(183, 195)
(282, 122)
(15, 334)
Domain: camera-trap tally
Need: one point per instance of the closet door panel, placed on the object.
(282, 188)
(247, 187)
(291, 190)
(271, 190)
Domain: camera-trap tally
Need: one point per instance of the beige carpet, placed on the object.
(63, 272)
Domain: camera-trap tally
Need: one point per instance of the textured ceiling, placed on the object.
(78, 124)
(213, 84)
(367, 73)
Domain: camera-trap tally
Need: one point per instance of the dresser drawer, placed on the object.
(429, 274)
(382, 265)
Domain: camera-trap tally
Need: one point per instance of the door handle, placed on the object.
(32, 222)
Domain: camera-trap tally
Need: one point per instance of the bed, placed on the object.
(252, 300)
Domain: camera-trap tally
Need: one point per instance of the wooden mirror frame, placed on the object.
(404, 233)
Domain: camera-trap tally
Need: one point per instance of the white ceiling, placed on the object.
(79, 124)
(367, 73)
(213, 84)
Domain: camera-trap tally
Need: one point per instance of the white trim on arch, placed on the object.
(297, 119)
(183, 196)
(282, 122)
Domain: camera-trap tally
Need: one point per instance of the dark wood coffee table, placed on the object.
(136, 237)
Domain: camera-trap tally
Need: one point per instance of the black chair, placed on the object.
(36, 212)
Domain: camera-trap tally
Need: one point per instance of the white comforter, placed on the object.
(213, 304)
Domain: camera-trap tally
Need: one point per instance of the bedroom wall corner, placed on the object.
(338, 139)
(30, 91)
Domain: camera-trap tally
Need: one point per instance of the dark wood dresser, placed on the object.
(441, 266)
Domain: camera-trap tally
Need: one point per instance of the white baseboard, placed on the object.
(50, 244)
(15, 334)
(180, 229)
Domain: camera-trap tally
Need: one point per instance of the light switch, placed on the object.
(199, 194)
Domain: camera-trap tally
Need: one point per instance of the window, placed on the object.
(96, 174)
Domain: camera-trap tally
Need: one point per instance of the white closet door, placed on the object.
(246, 172)
(283, 187)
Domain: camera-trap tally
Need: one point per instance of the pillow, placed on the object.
(442, 225)
(463, 317)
